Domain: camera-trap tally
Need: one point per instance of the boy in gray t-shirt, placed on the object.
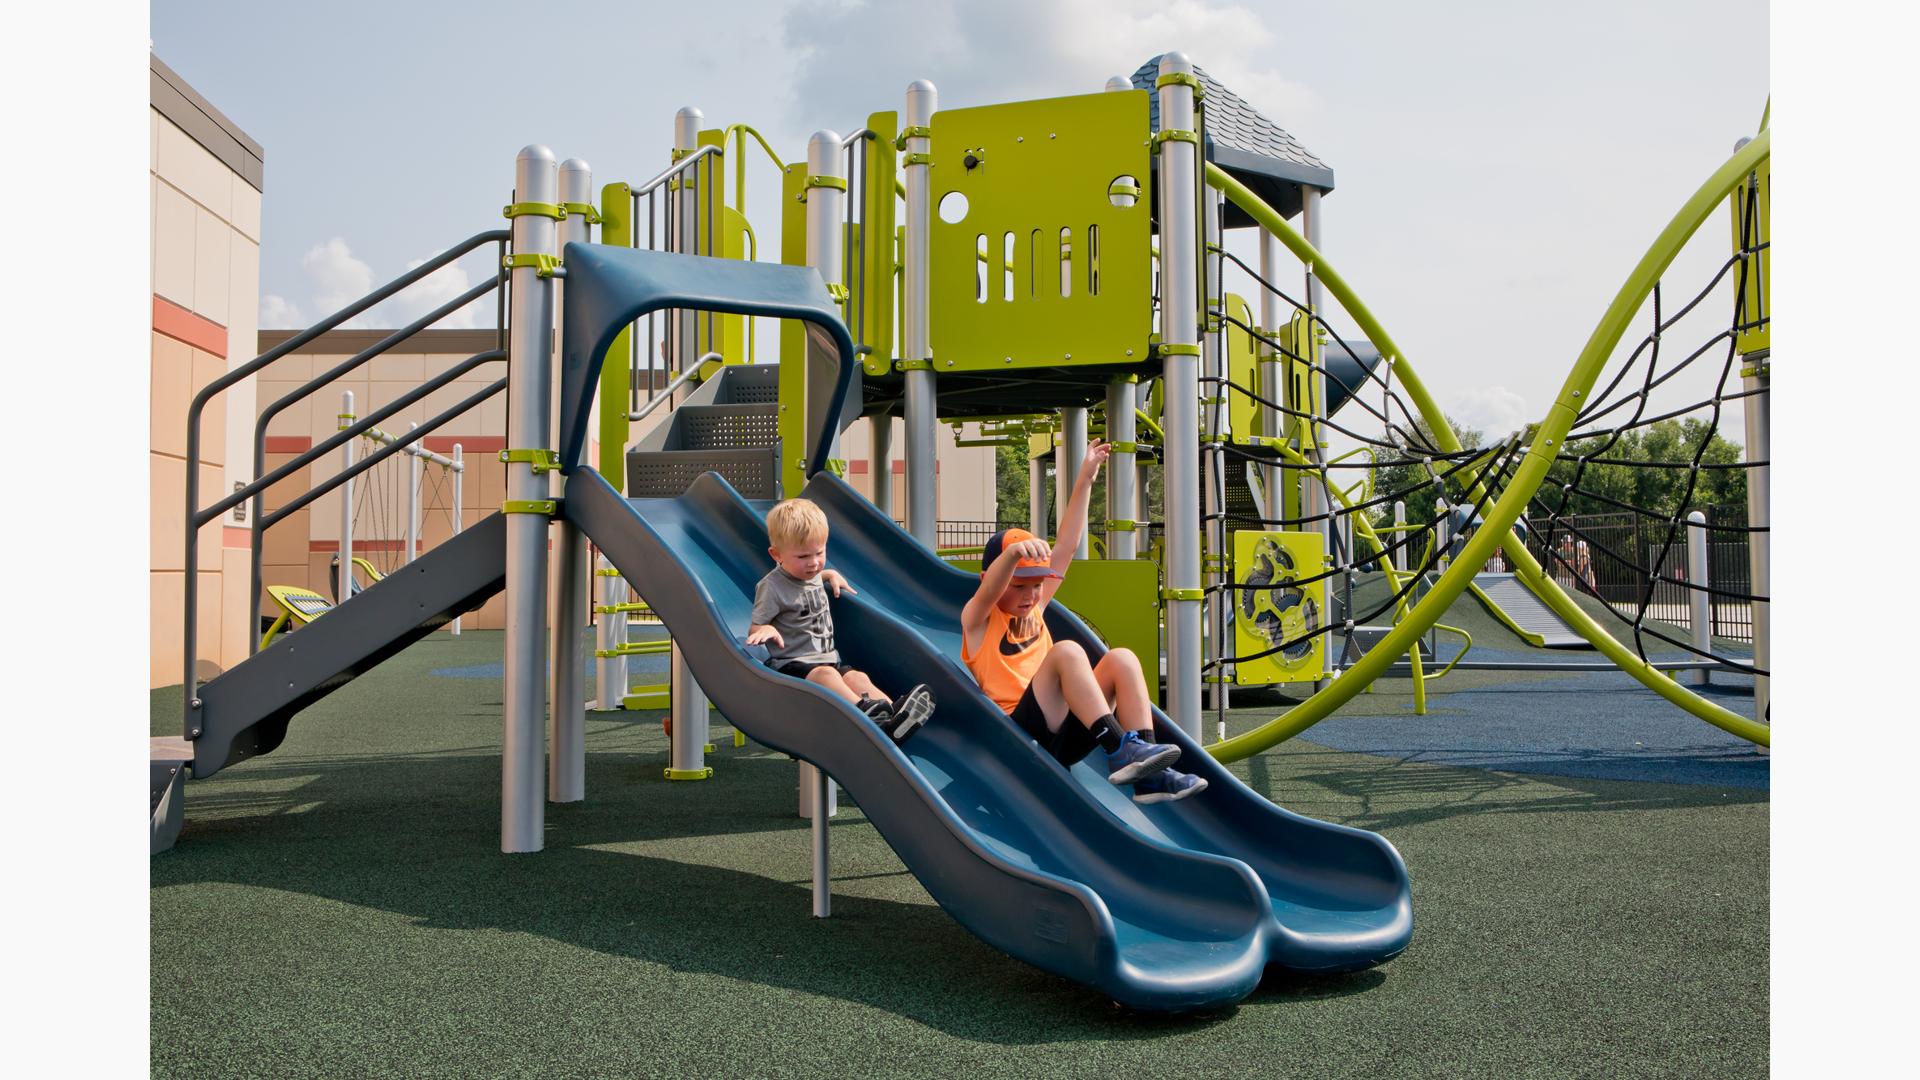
(791, 617)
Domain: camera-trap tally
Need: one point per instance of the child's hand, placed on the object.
(832, 580)
(1097, 453)
(760, 635)
(1035, 548)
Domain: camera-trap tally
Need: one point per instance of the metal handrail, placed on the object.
(327, 446)
(195, 520)
(674, 169)
(666, 392)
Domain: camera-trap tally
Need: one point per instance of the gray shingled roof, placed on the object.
(1253, 149)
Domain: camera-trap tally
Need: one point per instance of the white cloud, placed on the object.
(279, 313)
(430, 292)
(1495, 410)
(337, 278)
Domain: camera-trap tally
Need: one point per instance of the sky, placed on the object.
(1499, 167)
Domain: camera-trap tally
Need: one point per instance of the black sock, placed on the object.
(1107, 731)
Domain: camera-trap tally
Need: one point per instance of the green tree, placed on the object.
(1663, 491)
(1403, 474)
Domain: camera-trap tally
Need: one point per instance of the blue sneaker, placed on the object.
(1167, 785)
(1137, 758)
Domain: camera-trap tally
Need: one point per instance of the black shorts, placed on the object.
(800, 669)
(1071, 743)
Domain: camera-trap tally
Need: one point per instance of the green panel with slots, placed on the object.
(1754, 198)
(793, 335)
(1242, 411)
(616, 229)
(1042, 270)
(872, 274)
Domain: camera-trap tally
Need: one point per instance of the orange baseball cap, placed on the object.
(1028, 568)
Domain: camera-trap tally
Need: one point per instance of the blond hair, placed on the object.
(795, 522)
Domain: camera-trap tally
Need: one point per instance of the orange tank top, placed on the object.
(1009, 654)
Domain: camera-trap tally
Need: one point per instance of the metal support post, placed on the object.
(459, 510)
(809, 777)
(567, 727)
(880, 461)
(1214, 425)
(1313, 492)
(1073, 421)
(1037, 495)
(1399, 534)
(1178, 191)
(826, 224)
(821, 792)
(1122, 543)
(414, 465)
(1699, 602)
(687, 704)
(1272, 382)
(530, 355)
(921, 409)
(343, 578)
(1759, 424)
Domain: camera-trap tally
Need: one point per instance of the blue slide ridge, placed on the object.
(1179, 908)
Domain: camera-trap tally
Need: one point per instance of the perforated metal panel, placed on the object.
(724, 427)
(666, 474)
(751, 384)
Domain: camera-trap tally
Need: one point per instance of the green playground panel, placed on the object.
(1067, 274)
(1243, 413)
(874, 275)
(1118, 598)
(1285, 611)
(1759, 268)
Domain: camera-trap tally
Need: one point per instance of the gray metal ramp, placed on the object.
(1515, 605)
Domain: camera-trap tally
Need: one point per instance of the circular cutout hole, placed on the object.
(953, 208)
(1123, 192)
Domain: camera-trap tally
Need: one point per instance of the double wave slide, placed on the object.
(1170, 907)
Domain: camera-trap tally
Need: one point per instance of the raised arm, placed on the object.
(1073, 520)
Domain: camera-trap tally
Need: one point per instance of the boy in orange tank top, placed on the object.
(1053, 691)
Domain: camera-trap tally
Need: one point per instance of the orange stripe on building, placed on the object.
(236, 536)
(289, 444)
(469, 444)
(182, 325)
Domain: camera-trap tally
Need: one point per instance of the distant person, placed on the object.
(791, 616)
(1053, 691)
(1583, 568)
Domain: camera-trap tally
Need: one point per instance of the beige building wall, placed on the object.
(205, 188)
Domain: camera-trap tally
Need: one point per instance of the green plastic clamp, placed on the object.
(838, 292)
(1182, 78)
(1176, 135)
(618, 609)
(534, 209)
(1121, 446)
(838, 183)
(838, 467)
(913, 365)
(1123, 187)
(1183, 594)
(543, 461)
(608, 572)
(543, 507)
(1122, 525)
(543, 265)
(911, 131)
(1177, 349)
(917, 159)
(582, 209)
(690, 774)
(1753, 370)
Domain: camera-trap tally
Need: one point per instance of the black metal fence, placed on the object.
(1625, 561)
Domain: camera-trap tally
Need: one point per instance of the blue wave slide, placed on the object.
(1170, 907)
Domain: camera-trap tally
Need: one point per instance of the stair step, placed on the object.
(726, 427)
(750, 384)
(665, 474)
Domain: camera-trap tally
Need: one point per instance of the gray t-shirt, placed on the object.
(798, 609)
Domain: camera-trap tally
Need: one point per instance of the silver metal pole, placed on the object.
(1037, 495)
(826, 217)
(686, 754)
(1122, 543)
(1759, 424)
(1180, 334)
(1399, 534)
(1313, 493)
(1074, 419)
(343, 579)
(610, 632)
(921, 408)
(880, 461)
(459, 509)
(1214, 424)
(414, 464)
(1272, 380)
(567, 726)
(1699, 603)
(821, 790)
(530, 349)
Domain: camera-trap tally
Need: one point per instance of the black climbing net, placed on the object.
(1609, 523)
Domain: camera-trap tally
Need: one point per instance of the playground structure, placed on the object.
(896, 297)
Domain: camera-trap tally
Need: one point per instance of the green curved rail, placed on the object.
(1498, 521)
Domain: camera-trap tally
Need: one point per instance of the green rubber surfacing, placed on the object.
(340, 907)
